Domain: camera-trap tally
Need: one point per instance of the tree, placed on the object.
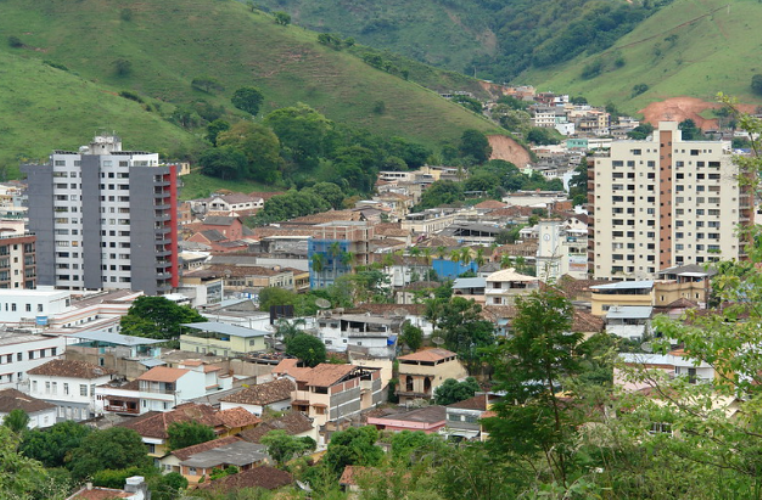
(441, 193)
(282, 447)
(184, 434)
(51, 446)
(290, 205)
(214, 128)
(307, 348)
(640, 132)
(354, 446)
(248, 99)
(330, 192)
(122, 66)
(690, 131)
(167, 486)
(21, 477)
(226, 163)
(756, 83)
(530, 364)
(15, 42)
(451, 391)
(259, 145)
(412, 336)
(286, 330)
(469, 103)
(157, 318)
(542, 136)
(16, 420)
(302, 132)
(464, 331)
(114, 448)
(475, 144)
(207, 84)
(281, 18)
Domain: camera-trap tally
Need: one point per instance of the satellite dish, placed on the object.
(322, 303)
(438, 340)
(647, 347)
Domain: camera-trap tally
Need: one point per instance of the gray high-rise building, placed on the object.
(104, 218)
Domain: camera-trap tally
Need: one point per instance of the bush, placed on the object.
(639, 89)
(55, 65)
(756, 83)
(15, 42)
(133, 96)
(122, 66)
(592, 70)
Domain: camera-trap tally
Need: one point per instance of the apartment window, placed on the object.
(66, 389)
(19, 356)
(47, 387)
(83, 390)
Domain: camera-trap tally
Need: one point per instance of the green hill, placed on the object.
(44, 108)
(491, 39)
(169, 43)
(691, 48)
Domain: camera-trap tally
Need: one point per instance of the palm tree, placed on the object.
(334, 251)
(465, 256)
(287, 330)
(506, 261)
(17, 420)
(318, 266)
(479, 257)
(349, 259)
(415, 252)
(441, 252)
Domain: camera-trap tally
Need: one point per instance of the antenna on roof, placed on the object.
(647, 347)
(438, 340)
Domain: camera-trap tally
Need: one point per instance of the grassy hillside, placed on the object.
(168, 43)
(692, 47)
(43, 108)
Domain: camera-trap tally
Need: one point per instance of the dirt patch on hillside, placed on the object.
(682, 108)
(505, 148)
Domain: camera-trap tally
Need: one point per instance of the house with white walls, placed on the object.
(70, 385)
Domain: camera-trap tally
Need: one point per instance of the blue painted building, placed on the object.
(333, 260)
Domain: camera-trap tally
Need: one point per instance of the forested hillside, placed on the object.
(491, 39)
(180, 62)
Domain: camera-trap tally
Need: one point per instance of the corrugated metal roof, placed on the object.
(115, 338)
(225, 329)
(629, 312)
(470, 283)
(625, 285)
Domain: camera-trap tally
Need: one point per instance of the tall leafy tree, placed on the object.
(282, 447)
(451, 391)
(51, 446)
(114, 448)
(16, 420)
(248, 99)
(260, 146)
(307, 348)
(302, 132)
(475, 144)
(157, 318)
(354, 446)
(533, 419)
(464, 331)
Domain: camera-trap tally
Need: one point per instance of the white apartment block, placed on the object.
(664, 202)
(21, 352)
(104, 218)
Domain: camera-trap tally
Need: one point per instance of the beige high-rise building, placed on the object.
(664, 202)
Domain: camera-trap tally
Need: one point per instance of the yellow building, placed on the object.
(422, 372)
(623, 293)
(222, 339)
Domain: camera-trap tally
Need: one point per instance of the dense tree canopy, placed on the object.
(260, 146)
(248, 99)
(157, 318)
(52, 445)
(282, 447)
(452, 391)
(184, 434)
(114, 448)
(307, 348)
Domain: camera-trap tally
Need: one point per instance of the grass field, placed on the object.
(694, 48)
(168, 43)
(43, 109)
(196, 185)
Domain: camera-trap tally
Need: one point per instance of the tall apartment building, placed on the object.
(104, 218)
(17, 260)
(664, 202)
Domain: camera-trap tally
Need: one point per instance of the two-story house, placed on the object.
(463, 417)
(212, 337)
(70, 385)
(330, 392)
(376, 335)
(275, 395)
(503, 287)
(420, 373)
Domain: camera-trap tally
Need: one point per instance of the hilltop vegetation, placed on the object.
(689, 48)
(181, 62)
(491, 39)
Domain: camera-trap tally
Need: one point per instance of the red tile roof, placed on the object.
(163, 374)
(263, 394)
(73, 369)
(293, 423)
(187, 452)
(12, 399)
(266, 477)
(237, 417)
(326, 374)
(155, 424)
(428, 355)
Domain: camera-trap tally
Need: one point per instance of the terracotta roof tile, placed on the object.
(326, 374)
(293, 423)
(100, 494)
(428, 355)
(155, 424)
(186, 453)
(163, 374)
(263, 394)
(352, 473)
(11, 399)
(69, 368)
(478, 402)
(237, 417)
(585, 322)
(265, 477)
(490, 204)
